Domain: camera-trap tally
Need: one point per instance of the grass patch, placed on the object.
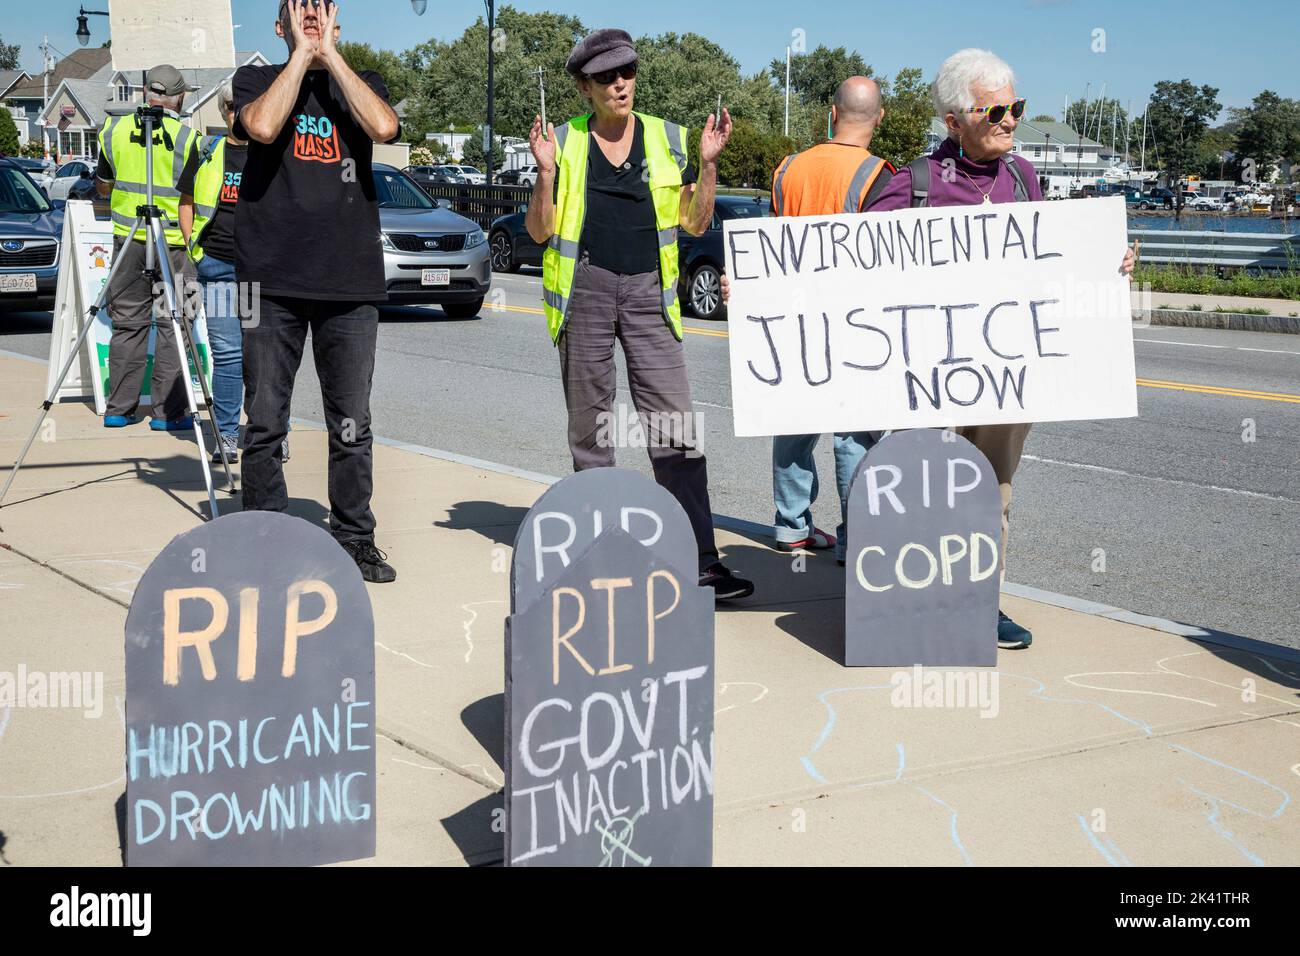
(1184, 280)
(1243, 311)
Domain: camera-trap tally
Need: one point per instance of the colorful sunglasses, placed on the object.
(606, 77)
(995, 114)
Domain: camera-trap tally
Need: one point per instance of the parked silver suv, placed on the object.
(431, 255)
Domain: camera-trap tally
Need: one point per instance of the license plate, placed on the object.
(18, 282)
(435, 277)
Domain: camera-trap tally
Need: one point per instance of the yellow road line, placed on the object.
(1144, 382)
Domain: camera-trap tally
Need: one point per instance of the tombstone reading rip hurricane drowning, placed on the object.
(922, 581)
(609, 681)
(250, 700)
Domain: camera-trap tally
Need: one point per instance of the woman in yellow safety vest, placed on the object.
(612, 188)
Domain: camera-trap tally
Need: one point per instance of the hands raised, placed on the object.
(714, 137)
(543, 147)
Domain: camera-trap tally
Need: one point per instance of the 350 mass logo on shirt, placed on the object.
(315, 139)
(230, 187)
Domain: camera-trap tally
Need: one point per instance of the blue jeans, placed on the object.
(795, 485)
(225, 337)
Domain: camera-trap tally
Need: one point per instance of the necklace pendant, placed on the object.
(987, 201)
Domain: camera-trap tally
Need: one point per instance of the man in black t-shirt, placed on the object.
(307, 242)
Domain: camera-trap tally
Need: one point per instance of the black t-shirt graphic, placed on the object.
(218, 238)
(307, 222)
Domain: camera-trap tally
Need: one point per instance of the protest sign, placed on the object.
(964, 315)
(609, 699)
(250, 700)
(574, 512)
(922, 581)
(86, 259)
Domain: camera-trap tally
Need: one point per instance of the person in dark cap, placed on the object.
(613, 187)
(132, 304)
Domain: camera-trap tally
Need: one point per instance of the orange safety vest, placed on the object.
(828, 178)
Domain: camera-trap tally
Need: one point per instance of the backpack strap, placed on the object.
(1022, 191)
(777, 195)
(920, 170)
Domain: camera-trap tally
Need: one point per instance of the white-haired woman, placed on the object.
(975, 96)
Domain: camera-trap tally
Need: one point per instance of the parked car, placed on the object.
(431, 255)
(1164, 194)
(471, 174)
(428, 175)
(31, 228)
(41, 171)
(510, 244)
(1208, 203)
(702, 259)
(508, 177)
(527, 175)
(67, 175)
(1140, 200)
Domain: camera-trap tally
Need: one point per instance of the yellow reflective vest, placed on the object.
(121, 143)
(208, 180)
(665, 150)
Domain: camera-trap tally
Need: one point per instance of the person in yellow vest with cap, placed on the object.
(612, 189)
(132, 303)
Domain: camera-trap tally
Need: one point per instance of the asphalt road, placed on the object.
(1196, 523)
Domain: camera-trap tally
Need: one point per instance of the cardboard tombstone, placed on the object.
(572, 514)
(250, 700)
(921, 583)
(609, 700)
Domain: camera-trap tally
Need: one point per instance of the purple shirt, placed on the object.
(961, 191)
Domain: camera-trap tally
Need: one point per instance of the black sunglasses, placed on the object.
(606, 77)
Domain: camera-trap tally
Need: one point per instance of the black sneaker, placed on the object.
(726, 586)
(1011, 635)
(372, 562)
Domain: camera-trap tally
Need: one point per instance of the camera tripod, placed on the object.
(157, 268)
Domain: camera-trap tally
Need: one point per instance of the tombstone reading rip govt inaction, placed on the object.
(250, 700)
(922, 581)
(609, 681)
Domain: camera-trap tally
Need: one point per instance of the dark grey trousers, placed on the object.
(131, 306)
(604, 307)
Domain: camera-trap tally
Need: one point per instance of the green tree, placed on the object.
(8, 134)
(9, 55)
(1043, 118)
(908, 111)
(471, 154)
(1102, 117)
(815, 76)
(1178, 116)
(451, 78)
(1268, 131)
(398, 75)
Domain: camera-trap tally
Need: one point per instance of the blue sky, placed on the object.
(1241, 48)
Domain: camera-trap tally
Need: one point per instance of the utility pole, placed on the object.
(45, 91)
(787, 92)
(541, 92)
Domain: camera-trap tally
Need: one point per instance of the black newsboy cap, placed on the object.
(601, 50)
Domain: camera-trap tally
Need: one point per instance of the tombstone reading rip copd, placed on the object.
(609, 681)
(922, 582)
(250, 700)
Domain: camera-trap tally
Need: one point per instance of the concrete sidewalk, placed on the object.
(1113, 743)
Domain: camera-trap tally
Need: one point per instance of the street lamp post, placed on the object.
(419, 6)
(83, 29)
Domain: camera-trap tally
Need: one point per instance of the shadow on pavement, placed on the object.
(485, 719)
(418, 313)
(493, 520)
